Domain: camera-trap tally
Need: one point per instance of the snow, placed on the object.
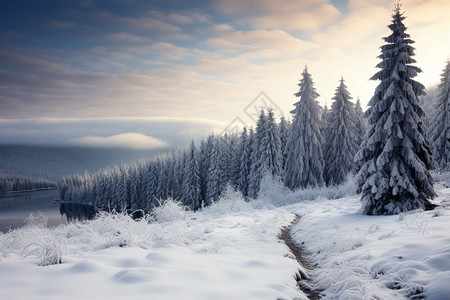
(184, 255)
(231, 250)
(376, 257)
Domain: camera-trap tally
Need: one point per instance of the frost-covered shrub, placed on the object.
(38, 220)
(274, 193)
(111, 230)
(49, 251)
(168, 211)
(231, 200)
(33, 240)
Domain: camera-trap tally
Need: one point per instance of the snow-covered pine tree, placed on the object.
(283, 128)
(340, 138)
(324, 112)
(255, 158)
(244, 160)
(124, 189)
(192, 191)
(226, 155)
(271, 158)
(205, 154)
(395, 155)
(359, 122)
(135, 189)
(151, 185)
(235, 160)
(161, 192)
(304, 164)
(172, 186)
(214, 183)
(179, 159)
(427, 104)
(439, 132)
(115, 204)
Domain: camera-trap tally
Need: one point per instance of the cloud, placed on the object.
(125, 37)
(287, 14)
(134, 133)
(62, 25)
(131, 140)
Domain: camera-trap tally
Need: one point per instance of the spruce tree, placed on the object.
(255, 157)
(214, 184)
(271, 158)
(439, 131)
(192, 191)
(304, 163)
(395, 156)
(244, 160)
(283, 128)
(359, 122)
(340, 138)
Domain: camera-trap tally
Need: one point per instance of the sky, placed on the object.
(156, 74)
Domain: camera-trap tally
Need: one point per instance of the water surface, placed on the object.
(16, 207)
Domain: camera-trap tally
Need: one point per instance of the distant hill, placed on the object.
(55, 162)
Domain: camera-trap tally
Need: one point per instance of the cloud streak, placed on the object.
(130, 140)
(134, 133)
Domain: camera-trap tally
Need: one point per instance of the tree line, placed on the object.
(16, 183)
(197, 175)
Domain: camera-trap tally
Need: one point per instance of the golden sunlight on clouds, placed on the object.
(130, 140)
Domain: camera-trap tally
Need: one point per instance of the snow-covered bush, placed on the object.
(33, 240)
(230, 201)
(168, 211)
(274, 193)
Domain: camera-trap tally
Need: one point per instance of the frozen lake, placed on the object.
(15, 207)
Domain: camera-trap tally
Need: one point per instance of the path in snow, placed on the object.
(303, 276)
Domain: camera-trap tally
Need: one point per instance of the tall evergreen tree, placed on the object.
(214, 183)
(359, 122)
(244, 160)
(284, 135)
(255, 167)
(340, 138)
(270, 148)
(439, 131)
(192, 183)
(304, 164)
(395, 156)
(205, 155)
(151, 185)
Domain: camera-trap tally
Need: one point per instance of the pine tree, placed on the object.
(226, 155)
(244, 160)
(161, 187)
(395, 156)
(270, 149)
(151, 185)
(192, 191)
(359, 122)
(324, 113)
(340, 138)
(439, 131)
(214, 183)
(205, 154)
(283, 128)
(304, 164)
(255, 158)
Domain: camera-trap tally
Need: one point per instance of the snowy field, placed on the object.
(231, 250)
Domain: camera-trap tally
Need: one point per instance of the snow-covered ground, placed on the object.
(231, 250)
(377, 257)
